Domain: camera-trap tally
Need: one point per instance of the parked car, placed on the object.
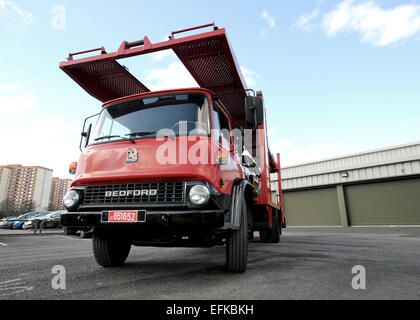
(6, 223)
(28, 223)
(52, 220)
(19, 221)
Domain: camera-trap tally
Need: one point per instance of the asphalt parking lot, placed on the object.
(309, 263)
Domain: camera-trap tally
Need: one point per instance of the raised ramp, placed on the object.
(207, 56)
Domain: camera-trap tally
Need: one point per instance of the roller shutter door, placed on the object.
(317, 207)
(384, 203)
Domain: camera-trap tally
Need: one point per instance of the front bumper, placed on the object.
(207, 218)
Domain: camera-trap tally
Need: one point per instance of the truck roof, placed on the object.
(207, 56)
(160, 92)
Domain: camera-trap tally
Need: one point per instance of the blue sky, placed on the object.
(337, 76)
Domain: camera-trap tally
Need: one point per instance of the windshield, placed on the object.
(27, 215)
(145, 117)
(41, 214)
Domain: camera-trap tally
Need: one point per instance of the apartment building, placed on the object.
(5, 174)
(59, 188)
(22, 184)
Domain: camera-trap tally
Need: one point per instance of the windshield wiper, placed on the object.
(107, 137)
(114, 136)
(140, 133)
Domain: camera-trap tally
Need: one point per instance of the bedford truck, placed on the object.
(179, 167)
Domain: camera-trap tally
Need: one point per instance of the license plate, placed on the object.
(128, 216)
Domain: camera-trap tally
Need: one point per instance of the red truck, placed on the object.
(186, 167)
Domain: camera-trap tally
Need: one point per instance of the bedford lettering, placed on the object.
(151, 192)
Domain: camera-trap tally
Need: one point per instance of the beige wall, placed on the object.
(4, 183)
(42, 188)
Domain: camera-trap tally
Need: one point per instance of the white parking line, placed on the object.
(3, 244)
(76, 238)
(14, 280)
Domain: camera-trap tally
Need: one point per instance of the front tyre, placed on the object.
(110, 250)
(237, 245)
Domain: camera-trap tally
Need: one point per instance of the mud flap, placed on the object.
(233, 218)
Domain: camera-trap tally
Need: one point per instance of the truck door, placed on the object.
(229, 166)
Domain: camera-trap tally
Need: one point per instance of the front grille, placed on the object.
(149, 192)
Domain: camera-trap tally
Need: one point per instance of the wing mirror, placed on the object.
(86, 135)
(254, 111)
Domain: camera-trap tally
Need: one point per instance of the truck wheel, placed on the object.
(237, 245)
(264, 236)
(276, 229)
(272, 235)
(110, 250)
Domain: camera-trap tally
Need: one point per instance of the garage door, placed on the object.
(318, 207)
(384, 203)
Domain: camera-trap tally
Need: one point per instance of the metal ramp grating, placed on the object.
(106, 80)
(207, 56)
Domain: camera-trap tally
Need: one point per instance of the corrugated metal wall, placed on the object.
(395, 202)
(372, 188)
(384, 203)
(318, 207)
(393, 162)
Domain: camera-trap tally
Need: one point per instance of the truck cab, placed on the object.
(184, 167)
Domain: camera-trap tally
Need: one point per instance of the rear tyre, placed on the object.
(264, 236)
(237, 245)
(273, 234)
(110, 250)
(276, 229)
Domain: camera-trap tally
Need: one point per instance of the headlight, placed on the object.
(70, 199)
(199, 194)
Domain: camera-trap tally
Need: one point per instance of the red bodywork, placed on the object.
(210, 60)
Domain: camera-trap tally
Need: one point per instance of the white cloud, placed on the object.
(175, 76)
(376, 25)
(160, 55)
(26, 16)
(51, 143)
(291, 154)
(9, 86)
(249, 77)
(15, 102)
(30, 139)
(305, 20)
(270, 21)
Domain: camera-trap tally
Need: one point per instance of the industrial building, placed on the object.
(379, 187)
